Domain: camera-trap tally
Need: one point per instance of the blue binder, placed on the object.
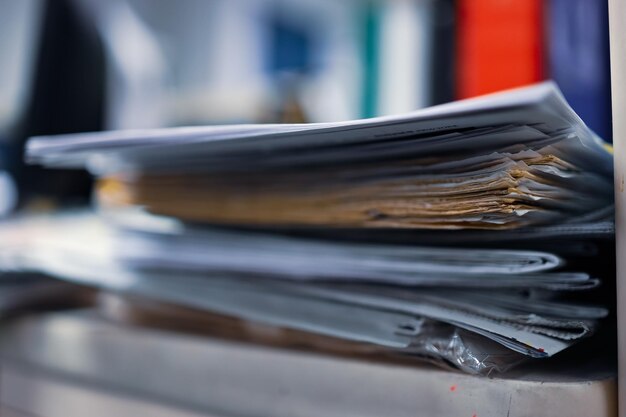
(578, 44)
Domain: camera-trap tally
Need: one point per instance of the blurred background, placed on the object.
(87, 65)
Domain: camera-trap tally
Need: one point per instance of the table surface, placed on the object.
(76, 363)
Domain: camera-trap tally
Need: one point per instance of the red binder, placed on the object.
(499, 45)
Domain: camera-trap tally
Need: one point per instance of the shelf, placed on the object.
(191, 374)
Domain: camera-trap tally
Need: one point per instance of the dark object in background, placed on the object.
(67, 97)
(443, 60)
(290, 61)
(579, 59)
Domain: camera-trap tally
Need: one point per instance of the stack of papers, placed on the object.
(457, 233)
(480, 310)
(500, 162)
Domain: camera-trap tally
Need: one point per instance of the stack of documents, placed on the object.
(317, 227)
(500, 162)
